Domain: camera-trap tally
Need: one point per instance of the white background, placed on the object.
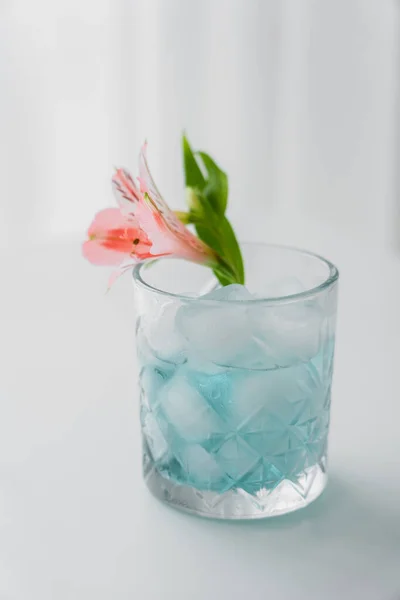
(299, 101)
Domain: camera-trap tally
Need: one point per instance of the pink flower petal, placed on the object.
(126, 191)
(185, 244)
(143, 227)
(118, 272)
(112, 236)
(95, 253)
(109, 218)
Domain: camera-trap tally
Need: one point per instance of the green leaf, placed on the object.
(220, 236)
(193, 176)
(224, 275)
(232, 253)
(207, 199)
(216, 188)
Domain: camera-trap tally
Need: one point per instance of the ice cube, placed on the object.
(162, 336)
(216, 331)
(201, 467)
(153, 376)
(229, 292)
(289, 332)
(255, 394)
(183, 408)
(215, 387)
(274, 394)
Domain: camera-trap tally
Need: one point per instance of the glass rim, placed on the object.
(333, 276)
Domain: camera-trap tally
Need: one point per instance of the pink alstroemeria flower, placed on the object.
(142, 228)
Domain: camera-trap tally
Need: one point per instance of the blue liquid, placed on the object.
(235, 428)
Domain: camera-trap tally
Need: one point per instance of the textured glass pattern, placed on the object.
(236, 429)
(235, 401)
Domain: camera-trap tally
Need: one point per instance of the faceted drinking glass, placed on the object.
(236, 382)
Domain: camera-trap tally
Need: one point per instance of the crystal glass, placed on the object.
(236, 383)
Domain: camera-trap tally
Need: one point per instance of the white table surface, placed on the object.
(76, 521)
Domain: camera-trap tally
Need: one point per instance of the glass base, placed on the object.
(236, 503)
